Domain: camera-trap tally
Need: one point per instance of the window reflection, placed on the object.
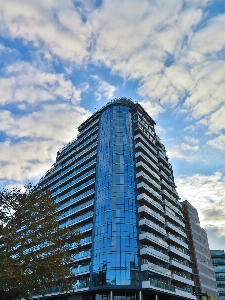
(115, 248)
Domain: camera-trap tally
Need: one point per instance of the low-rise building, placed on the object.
(218, 260)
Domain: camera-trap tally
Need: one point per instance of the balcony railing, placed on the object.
(81, 269)
(162, 285)
(150, 237)
(179, 276)
(75, 182)
(82, 254)
(164, 168)
(177, 239)
(81, 187)
(149, 170)
(179, 251)
(76, 209)
(183, 265)
(149, 179)
(139, 136)
(147, 151)
(170, 214)
(152, 225)
(148, 251)
(149, 189)
(80, 285)
(173, 207)
(151, 213)
(143, 196)
(78, 219)
(176, 228)
(158, 269)
(146, 159)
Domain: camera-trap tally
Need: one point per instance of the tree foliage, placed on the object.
(35, 251)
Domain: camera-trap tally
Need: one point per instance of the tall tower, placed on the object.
(115, 184)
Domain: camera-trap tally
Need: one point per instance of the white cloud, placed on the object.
(24, 82)
(53, 122)
(103, 88)
(56, 25)
(26, 160)
(218, 142)
(106, 89)
(152, 107)
(184, 151)
(42, 133)
(206, 194)
(191, 140)
(187, 147)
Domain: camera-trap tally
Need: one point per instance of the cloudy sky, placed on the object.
(60, 61)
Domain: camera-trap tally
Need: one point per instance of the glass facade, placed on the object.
(218, 260)
(115, 247)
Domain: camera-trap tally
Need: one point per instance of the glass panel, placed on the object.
(115, 260)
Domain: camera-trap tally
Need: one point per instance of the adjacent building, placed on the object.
(218, 260)
(204, 275)
(115, 184)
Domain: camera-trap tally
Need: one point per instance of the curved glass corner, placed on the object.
(115, 245)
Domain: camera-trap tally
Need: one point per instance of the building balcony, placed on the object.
(221, 291)
(182, 279)
(171, 215)
(167, 186)
(82, 259)
(146, 236)
(150, 252)
(142, 147)
(177, 240)
(145, 159)
(145, 223)
(80, 286)
(170, 197)
(77, 209)
(173, 207)
(161, 157)
(144, 186)
(149, 180)
(148, 169)
(79, 189)
(185, 294)
(78, 220)
(175, 263)
(81, 270)
(86, 195)
(179, 252)
(156, 269)
(143, 198)
(165, 168)
(176, 229)
(165, 176)
(159, 286)
(140, 137)
(149, 212)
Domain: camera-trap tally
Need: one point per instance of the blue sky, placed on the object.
(60, 61)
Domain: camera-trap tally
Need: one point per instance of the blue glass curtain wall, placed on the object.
(115, 246)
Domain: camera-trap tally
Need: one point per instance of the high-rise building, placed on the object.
(218, 260)
(115, 184)
(204, 275)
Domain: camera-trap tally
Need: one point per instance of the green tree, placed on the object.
(35, 251)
